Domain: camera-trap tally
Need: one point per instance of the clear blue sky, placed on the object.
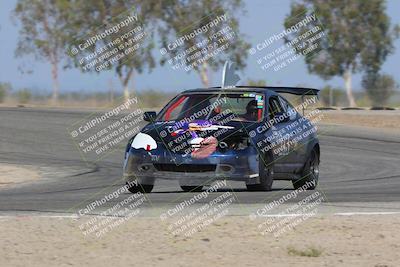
(263, 18)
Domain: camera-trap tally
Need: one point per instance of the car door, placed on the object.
(281, 145)
(296, 128)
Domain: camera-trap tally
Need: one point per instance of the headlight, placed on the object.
(144, 141)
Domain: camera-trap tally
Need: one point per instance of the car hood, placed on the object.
(164, 132)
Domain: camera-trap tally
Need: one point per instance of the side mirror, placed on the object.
(281, 117)
(149, 116)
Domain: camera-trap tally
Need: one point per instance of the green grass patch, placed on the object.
(309, 252)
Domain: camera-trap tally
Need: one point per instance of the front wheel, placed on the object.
(265, 173)
(143, 188)
(310, 175)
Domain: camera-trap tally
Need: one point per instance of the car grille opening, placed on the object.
(185, 167)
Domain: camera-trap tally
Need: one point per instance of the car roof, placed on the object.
(261, 89)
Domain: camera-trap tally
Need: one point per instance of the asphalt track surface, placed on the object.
(358, 165)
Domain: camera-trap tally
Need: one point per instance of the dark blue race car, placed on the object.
(249, 134)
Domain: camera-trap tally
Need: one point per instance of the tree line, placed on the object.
(361, 34)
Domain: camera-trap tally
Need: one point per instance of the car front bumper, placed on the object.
(147, 166)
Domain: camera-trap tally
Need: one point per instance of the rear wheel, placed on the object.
(310, 174)
(192, 188)
(144, 188)
(266, 174)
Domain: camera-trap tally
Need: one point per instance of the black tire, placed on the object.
(266, 174)
(144, 188)
(192, 188)
(310, 172)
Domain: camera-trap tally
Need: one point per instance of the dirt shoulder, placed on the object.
(11, 174)
(386, 119)
(230, 241)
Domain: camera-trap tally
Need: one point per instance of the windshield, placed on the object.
(214, 106)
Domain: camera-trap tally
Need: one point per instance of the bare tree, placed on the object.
(43, 24)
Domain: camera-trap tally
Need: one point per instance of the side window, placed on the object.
(289, 109)
(274, 107)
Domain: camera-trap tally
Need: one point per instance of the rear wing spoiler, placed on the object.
(295, 90)
(287, 90)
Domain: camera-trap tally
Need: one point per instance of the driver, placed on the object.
(251, 111)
